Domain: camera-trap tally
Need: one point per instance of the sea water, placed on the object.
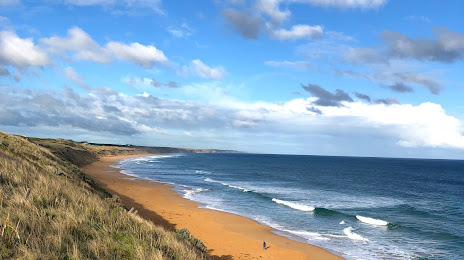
(358, 208)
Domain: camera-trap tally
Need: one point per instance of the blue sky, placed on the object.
(327, 77)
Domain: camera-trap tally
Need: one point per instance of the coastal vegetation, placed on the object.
(51, 210)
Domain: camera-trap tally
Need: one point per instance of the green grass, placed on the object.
(66, 216)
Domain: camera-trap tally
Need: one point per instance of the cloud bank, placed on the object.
(105, 110)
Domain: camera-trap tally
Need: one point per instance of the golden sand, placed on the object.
(227, 236)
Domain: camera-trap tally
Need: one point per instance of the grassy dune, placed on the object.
(50, 210)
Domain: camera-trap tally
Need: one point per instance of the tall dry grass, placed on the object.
(49, 210)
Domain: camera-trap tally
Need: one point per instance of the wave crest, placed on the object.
(188, 193)
(227, 184)
(351, 235)
(294, 205)
(372, 221)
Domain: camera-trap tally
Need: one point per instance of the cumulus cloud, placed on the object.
(271, 9)
(80, 44)
(299, 31)
(143, 55)
(106, 111)
(424, 125)
(325, 98)
(248, 24)
(198, 68)
(301, 65)
(103, 110)
(21, 53)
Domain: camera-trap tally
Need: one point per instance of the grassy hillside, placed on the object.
(50, 210)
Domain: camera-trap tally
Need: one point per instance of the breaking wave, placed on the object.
(351, 235)
(294, 205)
(227, 184)
(372, 221)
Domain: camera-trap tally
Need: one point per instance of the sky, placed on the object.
(380, 78)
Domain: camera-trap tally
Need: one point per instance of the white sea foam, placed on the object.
(372, 221)
(153, 158)
(294, 205)
(189, 192)
(202, 172)
(129, 173)
(308, 235)
(150, 158)
(227, 184)
(342, 222)
(351, 235)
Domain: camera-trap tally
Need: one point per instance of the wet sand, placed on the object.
(227, 236)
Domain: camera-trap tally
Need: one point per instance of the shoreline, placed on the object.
(226, 235)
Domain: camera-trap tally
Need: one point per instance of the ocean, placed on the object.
(358, 208)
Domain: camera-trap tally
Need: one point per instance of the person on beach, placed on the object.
(264, 245)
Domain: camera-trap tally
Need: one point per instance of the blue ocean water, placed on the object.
(358, 208)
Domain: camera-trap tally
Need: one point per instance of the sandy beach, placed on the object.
(227, 236)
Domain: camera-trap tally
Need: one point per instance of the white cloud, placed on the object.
(82, 47)
(365, 4)
(20, 52)
(80, 43)
(198, 68)
(72, 75)
(298, 31)
(269, 13)
(406, 125)
(392, 130)
(271, 8)
(182, 31)
(424, 125)
(143, 55)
